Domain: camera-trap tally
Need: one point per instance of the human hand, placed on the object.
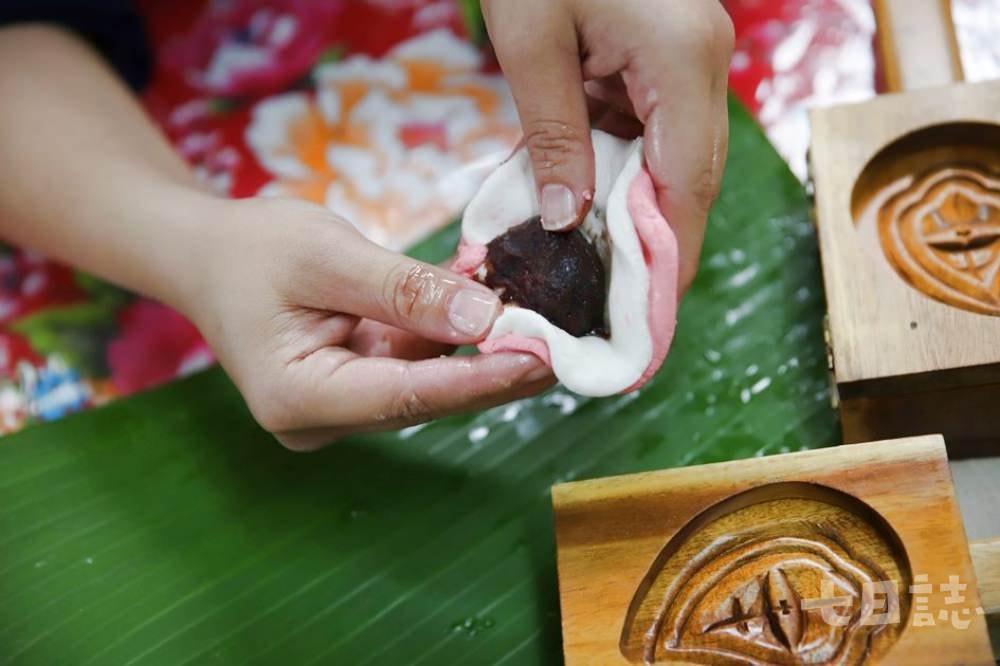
(327, 334)
(288, 295)
(637, 68)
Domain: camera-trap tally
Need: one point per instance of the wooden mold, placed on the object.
(834, 556)
(907, 205)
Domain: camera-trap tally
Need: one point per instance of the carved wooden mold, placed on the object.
(782, 574)
(942, 235)
(907, 205)
(805, 558)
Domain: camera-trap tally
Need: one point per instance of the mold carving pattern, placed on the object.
(942, 235)
(758, 586)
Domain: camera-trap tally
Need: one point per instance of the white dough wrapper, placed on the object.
(642, 289)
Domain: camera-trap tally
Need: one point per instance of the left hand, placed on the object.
(326, 334)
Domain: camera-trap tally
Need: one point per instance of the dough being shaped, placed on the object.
(639, 252)
(561, 276)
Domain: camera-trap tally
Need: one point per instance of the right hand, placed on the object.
(636, 68)
(327, 334)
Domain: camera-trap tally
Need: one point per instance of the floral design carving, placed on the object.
(774, 582)
(942, 235)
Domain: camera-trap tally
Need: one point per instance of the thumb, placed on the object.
(536, 45)
(432, 302)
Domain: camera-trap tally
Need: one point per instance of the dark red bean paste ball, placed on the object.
(557, 274)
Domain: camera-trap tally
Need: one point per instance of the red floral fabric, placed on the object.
(390, 112)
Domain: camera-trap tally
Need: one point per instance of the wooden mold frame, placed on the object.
(805, 558)
(907, 207)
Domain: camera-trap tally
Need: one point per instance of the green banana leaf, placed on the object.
(169, 529)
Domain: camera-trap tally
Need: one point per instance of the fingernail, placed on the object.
(472, 311)
(541, 372)
(558, 207)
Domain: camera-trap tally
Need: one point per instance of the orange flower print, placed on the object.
(396, 145)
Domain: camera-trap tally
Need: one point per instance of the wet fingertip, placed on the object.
(519, 364)
(532, 368)
(539, 373)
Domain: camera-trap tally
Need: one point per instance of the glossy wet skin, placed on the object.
(558, 275)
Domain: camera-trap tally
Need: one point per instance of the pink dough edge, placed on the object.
(659, 247)
(468, 259)
(466, 262)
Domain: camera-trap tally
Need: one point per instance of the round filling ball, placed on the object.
(557, 274)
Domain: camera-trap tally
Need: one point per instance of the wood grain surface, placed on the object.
(986, 560)
(942, 236)
(917, 43)
(726, 563)
(908, 210)
(913, 315)
(882, 327)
